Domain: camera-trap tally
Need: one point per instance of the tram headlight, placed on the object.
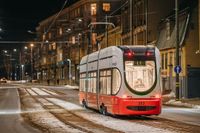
(124, 96)
(157, 96)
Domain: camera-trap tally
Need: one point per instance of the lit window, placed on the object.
(168, 30)
(116, 81)
(140, 75)
(44, 60)
(43, 37)
(106, 7)
(50, 47)
(93, 9)
(49, 35)
(94, 36)
(60, 31)
(54, 46)
(73, 40)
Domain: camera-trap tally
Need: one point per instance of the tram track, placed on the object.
(158, 122)
(65, 116)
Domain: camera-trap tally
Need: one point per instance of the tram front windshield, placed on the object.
(140, 74)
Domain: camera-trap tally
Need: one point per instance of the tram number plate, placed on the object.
(141, 103)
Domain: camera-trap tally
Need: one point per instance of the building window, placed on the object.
(60, 31)
(162, 59)
(106, 7)
(44, 60)
(73, 39)
(43, 37)
(50, 35)
(54, 46)
(93, 9)
(50, 47)
(166, 60)
(168, 30)
(94, 36)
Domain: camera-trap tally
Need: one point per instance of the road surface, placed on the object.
(185, 115)
(10, 119)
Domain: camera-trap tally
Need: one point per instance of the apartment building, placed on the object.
(66, 38)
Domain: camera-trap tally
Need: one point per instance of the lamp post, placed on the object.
(32, 45)
(177, 48)
(70, 73)
(22, 72)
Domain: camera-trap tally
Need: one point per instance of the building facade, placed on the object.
(66, 38)
(188, 52)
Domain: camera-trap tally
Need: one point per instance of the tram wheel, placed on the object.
(84, 104)
(103, 110)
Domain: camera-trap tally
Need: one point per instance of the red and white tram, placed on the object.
(123, 80)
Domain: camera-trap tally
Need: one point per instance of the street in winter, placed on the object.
(100, 66)
(34, 108)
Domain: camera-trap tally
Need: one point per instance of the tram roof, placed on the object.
(106, 52)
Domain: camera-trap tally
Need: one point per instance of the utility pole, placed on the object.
(32, 75)
(177, 48)
(131, 22)
(146, 20)
(106, 31)
(98, 23)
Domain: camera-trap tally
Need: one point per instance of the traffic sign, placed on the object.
(177, 69)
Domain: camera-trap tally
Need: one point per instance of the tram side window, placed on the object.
(116, 81)
(92, 82)
(82, 81)
(105, 82)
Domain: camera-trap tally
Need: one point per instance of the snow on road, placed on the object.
(121, 125)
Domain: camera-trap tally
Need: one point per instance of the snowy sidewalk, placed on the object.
(170, 100)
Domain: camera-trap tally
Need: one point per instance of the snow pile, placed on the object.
(180, 103)
(170, 95)
(71, 87)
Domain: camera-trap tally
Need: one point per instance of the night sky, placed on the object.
(19, 16)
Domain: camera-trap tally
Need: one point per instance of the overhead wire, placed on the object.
(57, 15)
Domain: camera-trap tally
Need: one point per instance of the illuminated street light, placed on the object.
(32, 45)
(15, 50)
(80, 20)
(31, 32)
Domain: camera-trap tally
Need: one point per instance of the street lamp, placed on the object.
(32, 45)
(70, 73)
(22, 71)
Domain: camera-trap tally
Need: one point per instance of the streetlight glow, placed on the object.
(15, 50)
(32, 45)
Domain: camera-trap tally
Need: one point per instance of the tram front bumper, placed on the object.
(144, 106)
